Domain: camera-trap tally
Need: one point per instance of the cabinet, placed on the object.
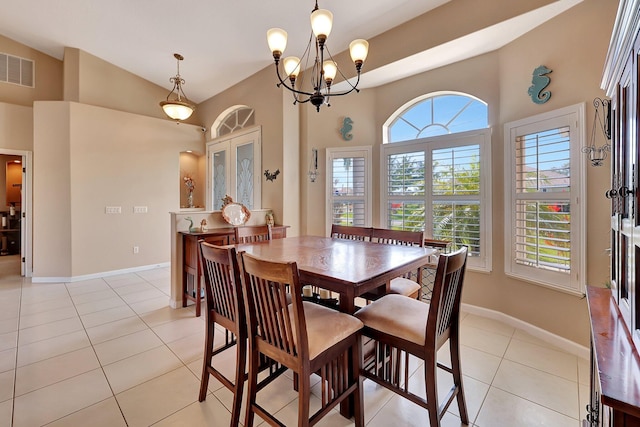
(615, 365)
(615, 312)
(10, 234)
(191, 269)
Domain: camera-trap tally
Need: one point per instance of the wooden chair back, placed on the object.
(224, 307)
(270, 322)
(222, 286)
(397, 237)
(351, 232)
(252, 233)
(444, 310)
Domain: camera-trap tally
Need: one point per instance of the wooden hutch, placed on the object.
(615, 312)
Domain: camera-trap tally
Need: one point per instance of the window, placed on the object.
(234, 163)
(544, 199)
(348, 186)
(440, 184)
(442, 113)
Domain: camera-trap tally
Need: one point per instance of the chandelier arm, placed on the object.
(291, 88)
(353, 88)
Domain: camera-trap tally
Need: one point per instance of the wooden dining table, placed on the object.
(350, 268)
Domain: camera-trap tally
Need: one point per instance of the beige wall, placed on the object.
(123, 152)
(93, 81)
(260, 93)
(16, 127)
(89, 158)
(52, 218)
(48, 80)
(573, 44)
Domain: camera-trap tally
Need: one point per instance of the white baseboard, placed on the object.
(556, 340)
(98, 275)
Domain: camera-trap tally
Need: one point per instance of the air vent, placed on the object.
(16, 70)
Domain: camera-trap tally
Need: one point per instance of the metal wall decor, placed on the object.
(346, 129)
(271, 175)
(313, 167)
(539, 82)
(601, 119)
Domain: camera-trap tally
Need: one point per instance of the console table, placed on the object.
(191, 269)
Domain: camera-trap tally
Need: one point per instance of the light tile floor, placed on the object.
(110, 352)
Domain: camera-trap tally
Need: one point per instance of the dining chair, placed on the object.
(401, 324)
(252, 233)
(307, 338)
(225, 308)
(351, 232)
(411, 283)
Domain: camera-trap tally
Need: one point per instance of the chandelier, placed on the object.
(178, 108)
(323, 72)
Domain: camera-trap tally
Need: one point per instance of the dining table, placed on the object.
(350, 268)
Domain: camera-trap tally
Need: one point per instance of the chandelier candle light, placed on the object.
(323, 72)
(178, 108)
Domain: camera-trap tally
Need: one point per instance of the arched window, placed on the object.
(233, 119)
(436, 172)
(442, 113)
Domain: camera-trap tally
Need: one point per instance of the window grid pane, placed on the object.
(404, 215)
(349, 212)
(543, 234)
(456, 171)
(458, 222)
(406, 174)
(543, 162)
(349, 177)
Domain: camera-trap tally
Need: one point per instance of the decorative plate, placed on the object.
(236, 214)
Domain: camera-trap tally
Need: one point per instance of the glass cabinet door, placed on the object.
(234, 163)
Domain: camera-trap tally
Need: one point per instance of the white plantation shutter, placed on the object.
(348, 186)
(438, 185)
(543, 208)
(544, 223)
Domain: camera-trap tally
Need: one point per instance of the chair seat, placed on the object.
(402, 286)
(397, 315)
(326, 327)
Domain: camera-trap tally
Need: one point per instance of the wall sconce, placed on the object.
(313, 167)
(598, 154)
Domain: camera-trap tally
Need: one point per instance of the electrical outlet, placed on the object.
(136, 249)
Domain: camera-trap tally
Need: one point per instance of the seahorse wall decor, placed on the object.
(346, 128)
(539, 82)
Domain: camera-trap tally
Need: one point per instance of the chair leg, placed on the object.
(198, 296)
(252, 386)
(431, 385)
(358, 398)
(208, 350)
(241, 360)
(304, 393)
(454, 347)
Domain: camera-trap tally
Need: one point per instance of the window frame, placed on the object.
(340, 152)
(574, 117)
(481, 137)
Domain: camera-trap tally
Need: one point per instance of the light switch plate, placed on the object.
(113, 209)
(140, 209)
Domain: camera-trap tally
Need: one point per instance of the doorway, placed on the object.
(15, 211)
